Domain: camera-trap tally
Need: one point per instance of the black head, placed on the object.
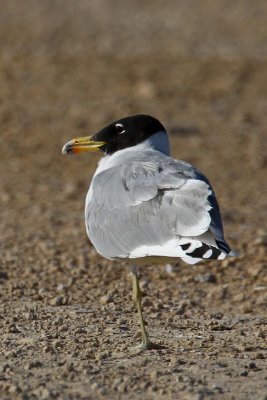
(127, 132)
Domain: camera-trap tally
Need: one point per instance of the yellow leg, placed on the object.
(137, 297)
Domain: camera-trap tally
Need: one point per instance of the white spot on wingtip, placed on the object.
(208, 254)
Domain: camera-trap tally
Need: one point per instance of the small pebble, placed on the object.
(107, 299)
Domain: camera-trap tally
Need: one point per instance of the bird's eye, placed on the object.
(119, 129)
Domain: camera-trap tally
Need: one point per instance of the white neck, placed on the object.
(159, 142)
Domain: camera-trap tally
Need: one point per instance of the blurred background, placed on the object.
(67, 68)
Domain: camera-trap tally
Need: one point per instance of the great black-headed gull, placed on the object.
(146, 207)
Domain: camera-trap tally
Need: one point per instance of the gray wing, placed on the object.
(216, 226)
(149, 202)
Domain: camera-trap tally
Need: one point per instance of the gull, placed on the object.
(146, 207)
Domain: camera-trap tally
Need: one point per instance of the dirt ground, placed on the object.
(67, 319)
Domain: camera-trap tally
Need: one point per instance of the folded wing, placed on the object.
(160, 207)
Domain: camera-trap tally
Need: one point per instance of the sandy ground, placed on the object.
(67, 320)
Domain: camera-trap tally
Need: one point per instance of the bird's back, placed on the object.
(144, 203)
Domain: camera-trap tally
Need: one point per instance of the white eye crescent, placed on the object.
(119, 129)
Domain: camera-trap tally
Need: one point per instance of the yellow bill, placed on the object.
(82, 144)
